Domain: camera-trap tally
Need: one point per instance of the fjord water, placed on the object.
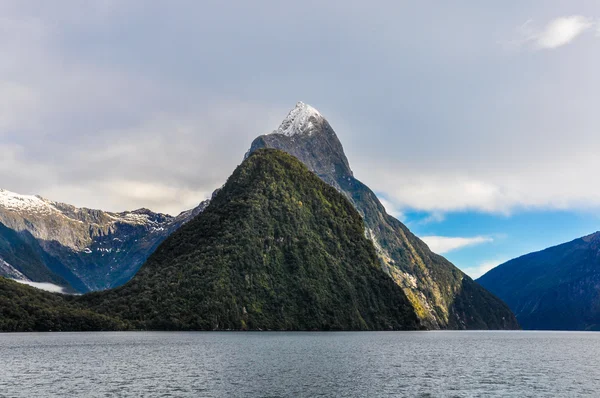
(359, 364)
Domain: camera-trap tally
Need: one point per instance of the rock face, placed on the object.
(276, 249)
(442, 295)
(82, 249)
(307, 135)
(554, 289)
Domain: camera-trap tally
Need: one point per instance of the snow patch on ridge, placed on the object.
(16, 202)
(300, 120)
(34, 204)
(9, 271)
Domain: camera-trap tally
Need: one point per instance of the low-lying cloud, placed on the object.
(49, 287)
(481, 269)
(445, 244)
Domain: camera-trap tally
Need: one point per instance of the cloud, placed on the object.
(438, 194)
(445, 244)
(434, 217)
(49, 287)
(482, 269)
(556, 33)
(501, 184)
(561, 31)
(118, 108)
(390, 208)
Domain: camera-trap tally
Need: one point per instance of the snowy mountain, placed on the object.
(81, 249)
(442, 295)
(302, 120)
(307, 135)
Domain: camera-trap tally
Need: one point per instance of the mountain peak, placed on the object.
(16, 202)
(307, 135)
(303, 119)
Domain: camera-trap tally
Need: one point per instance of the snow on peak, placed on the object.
(14, 201)
(300, 120)
(37, 205)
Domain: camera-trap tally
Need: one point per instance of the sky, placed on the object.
(474, 122)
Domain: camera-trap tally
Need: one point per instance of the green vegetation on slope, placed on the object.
(26, 309)
(276, 249)
(442, 295)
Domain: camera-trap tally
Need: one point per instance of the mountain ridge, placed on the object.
(557, 288)
(79, 248)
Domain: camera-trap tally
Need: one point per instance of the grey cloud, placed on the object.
(124, 104)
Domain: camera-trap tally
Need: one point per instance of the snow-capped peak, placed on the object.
(37, 205)
(300, 120)
(14, 201)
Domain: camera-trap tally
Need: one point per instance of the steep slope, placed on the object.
(443, 296)
(276, 249)
(555, 289)
(20, 257)
(83, 249)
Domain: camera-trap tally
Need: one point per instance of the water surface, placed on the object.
(438, 364)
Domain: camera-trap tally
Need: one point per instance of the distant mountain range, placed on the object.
(554, 289)
(80, 249)
(88, 250)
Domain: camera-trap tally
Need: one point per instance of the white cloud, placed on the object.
(445, 244)
(49, 287)
(500, 185)
(556, 33)
(391, 209)
(561, 31)
(482, 269)
(434, 217)
(437, 193)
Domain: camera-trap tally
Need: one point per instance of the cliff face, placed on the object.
(442, 295)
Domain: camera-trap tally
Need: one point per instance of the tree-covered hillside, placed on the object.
(276, 249)
(26, 309)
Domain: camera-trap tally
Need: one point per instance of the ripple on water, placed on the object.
(426, 364)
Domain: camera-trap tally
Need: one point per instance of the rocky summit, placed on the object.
(442, 295)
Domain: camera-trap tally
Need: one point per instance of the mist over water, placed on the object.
(452, 364)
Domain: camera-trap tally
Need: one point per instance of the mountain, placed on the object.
(442, 295)
(554, 289)
(276, 249)
(80, 249)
